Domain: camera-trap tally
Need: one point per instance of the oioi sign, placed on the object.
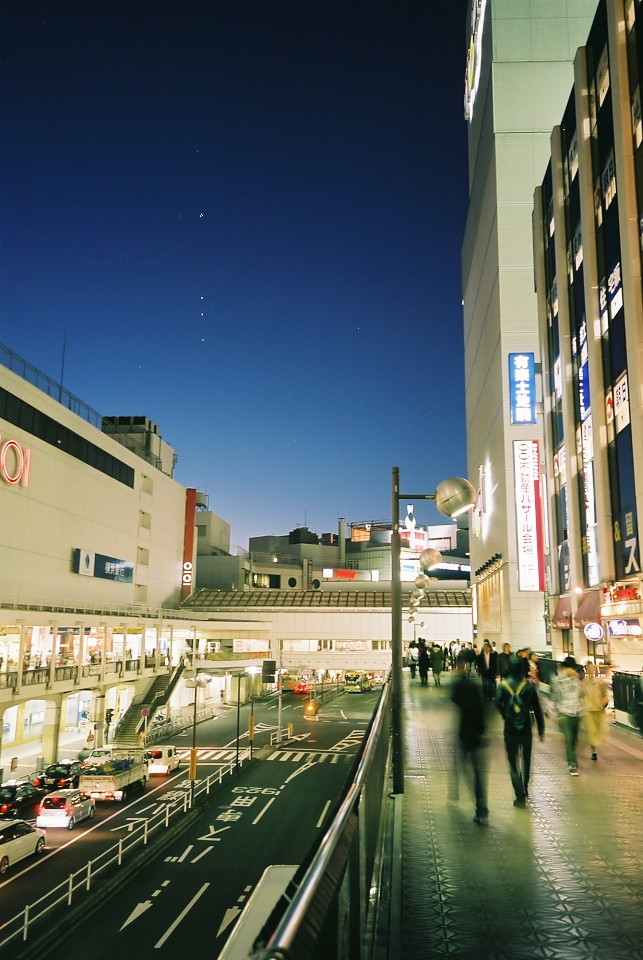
(14, 463)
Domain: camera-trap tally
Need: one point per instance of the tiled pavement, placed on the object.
(559, 880)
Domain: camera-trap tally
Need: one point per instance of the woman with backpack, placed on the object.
(516, 700)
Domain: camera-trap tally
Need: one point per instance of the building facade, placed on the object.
(518, 77)
(588, 233)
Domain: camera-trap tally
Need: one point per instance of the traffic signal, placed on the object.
(268, 671)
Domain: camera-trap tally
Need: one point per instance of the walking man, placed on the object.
(567, 695)
(466, 694)
(487, 667)
(516, 700)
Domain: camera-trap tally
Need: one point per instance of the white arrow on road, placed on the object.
(231, 914)
(212, 835)
(137, 911)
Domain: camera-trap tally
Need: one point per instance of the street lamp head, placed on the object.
(454, 496)
(430, 558)
(422, 581)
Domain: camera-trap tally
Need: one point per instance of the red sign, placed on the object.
(189, 544)
(345, 575)
(14, 462)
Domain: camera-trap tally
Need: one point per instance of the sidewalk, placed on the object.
(560, 880)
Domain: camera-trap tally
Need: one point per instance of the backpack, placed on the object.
(516, 710)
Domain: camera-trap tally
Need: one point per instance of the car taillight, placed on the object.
(5, 808)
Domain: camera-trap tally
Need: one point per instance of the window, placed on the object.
(145, 520)
(143, 556)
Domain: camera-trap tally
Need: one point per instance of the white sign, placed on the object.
(527, 492)
(593, 631)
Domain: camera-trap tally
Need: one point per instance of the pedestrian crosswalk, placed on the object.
(226, 754)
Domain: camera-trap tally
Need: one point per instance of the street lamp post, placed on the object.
(452, 498)
(253, 671)
(199, 682)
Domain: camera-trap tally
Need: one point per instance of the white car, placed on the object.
(162, 759)
(64, 808)
(18, 839)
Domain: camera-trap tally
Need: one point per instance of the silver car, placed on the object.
(18, 839)
(64, 808)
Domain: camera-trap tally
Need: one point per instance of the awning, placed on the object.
(589, 609)
(562, 618)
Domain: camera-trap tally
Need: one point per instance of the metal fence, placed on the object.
(79, 884)
(329, 911)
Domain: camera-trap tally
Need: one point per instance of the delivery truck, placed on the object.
(114, 778)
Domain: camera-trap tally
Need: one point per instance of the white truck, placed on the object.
(115, 777)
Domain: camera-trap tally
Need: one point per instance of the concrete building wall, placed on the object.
(525, 73)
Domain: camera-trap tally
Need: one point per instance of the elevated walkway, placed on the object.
(559, 880)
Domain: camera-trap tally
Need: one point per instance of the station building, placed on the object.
(101, 551)
(518, 76)
(588, 237)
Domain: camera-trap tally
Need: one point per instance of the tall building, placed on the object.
(588, 228)
(519, 73)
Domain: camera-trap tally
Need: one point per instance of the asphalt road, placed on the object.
(271, 812)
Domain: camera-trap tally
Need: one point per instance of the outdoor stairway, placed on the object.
(128, 730)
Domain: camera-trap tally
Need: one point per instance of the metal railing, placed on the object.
(328, 911)
(79, 884)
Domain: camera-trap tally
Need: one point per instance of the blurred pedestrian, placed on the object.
(516, 700)
(487, 667)
(469, 652)
(436, 663)
(424, 662)
(503, 660)
(569, 703)
(597, 697)
(470, 744)
(535, 670)
(413, 658)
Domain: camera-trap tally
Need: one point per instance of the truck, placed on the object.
(115, 777)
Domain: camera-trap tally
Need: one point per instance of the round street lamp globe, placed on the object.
(454, 496)
(430, 558)
(422, 581)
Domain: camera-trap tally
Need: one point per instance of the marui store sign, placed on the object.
(14, 463)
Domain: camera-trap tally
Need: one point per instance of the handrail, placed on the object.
(281, 941)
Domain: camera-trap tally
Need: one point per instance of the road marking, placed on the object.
(304, 766)
(170, 930)
(212, 834)
(258, 818)
(321, 819)
(189, 847)
(231, 914)
(202, 854)
(138, 910)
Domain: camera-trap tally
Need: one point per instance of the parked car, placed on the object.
(19, 798)
(18, 840)
(64, 808)
(162, 759)
(65, 773)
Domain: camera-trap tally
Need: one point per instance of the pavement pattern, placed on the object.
(561, 879)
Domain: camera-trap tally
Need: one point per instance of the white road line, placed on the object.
(200, 855)
(189, 847)
(170, 930)
(321, 819)
(258, 818)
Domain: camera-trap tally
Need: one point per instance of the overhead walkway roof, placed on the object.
(204, 599)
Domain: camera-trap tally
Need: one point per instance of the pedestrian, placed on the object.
(470, 743)
(487, 668)
(469, 657)
(436, 663)
(597, 697)
(524, 654)
(516, 700)
(503, 660)
(569, 703)
(535, 670)
(413, 658)
(424, 662)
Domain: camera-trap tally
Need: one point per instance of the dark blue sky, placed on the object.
(246, 217)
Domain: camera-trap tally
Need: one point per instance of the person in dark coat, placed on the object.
(487, 667)
(436, 663)
(424, 662)
(467, 696)
(503, 661)
(516, 700)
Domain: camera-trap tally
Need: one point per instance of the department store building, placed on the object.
(518, 77)
(588, 237)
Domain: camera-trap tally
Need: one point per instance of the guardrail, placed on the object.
(329, 911)
(80, 882)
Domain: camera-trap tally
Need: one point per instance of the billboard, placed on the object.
(529, 515)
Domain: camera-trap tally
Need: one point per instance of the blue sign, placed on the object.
(91, 564)
(522, 388)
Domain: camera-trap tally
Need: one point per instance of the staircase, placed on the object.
(128, 730)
